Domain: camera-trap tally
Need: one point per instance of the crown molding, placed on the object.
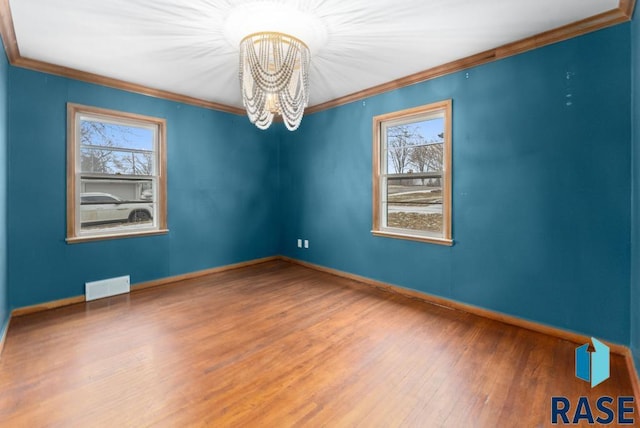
(626, 7)
(84, 76)
(7, 31)
(616, 16)
(622, 13)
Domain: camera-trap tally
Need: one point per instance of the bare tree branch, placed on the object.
(399, 140)
(102, 157)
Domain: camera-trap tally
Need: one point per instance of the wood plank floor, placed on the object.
(281, 345)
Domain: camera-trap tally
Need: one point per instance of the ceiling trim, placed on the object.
(7, 31)
(626, 7)
(606, 19)
(46, 67)
(622, 13)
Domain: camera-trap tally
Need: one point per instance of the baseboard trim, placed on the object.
(197, 274)
(633, 375)
(3, 334)
(464, 307)
(26, 310)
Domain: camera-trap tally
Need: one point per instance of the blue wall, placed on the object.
(222, 192)
(541, 185)
(635, 188)
(4, 166)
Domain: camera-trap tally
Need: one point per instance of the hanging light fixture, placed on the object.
(274, 78)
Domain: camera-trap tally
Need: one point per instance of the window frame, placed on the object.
(74, 112)
(379, 188)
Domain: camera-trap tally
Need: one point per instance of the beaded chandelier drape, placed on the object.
(274, 78)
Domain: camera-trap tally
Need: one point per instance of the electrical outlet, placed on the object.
(306, 243)
(299, 243)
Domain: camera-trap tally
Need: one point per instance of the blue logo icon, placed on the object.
(593, 366)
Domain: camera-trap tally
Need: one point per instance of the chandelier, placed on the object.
(274, 78)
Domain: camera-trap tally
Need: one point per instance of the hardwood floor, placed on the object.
(278, 344)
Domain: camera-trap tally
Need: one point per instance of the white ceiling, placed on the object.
(185, 47)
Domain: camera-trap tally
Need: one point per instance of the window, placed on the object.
(412, 174)
(116, 174)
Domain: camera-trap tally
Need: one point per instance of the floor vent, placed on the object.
(107, 287)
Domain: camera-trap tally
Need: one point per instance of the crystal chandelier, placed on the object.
(274, 78)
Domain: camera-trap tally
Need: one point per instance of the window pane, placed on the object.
(415, 203)
(412, 149)
(115, 203)
(416, 146)
(108, 148)
(98, 133)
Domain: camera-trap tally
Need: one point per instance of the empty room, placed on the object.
(286, 213)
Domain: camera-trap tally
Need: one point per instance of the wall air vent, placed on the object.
(106, 287)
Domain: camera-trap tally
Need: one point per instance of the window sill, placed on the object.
(80, 239)
(419, 238)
